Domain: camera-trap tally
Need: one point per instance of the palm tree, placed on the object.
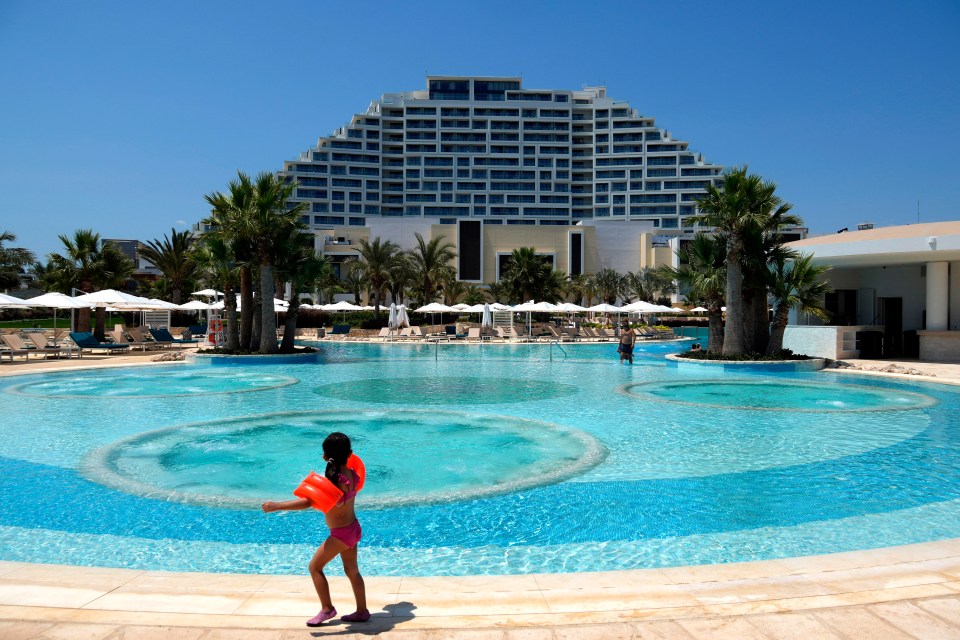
(89, 265)
(473, 294)
(377, 258)
(497, 291)
(608, 284)
(401, 276)
(14, 261)
(742, 202)
(577, 287)
(271, 220)
(217, 260)
(795, 283)
(228, 216)
(355, 279)
(172, 257)
(703, 268)
(299, 265)
(429, 261)
(649, 284)
(453, 289)
(525, 274)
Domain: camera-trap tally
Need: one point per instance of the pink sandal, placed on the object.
(357, 616)
(321, 617)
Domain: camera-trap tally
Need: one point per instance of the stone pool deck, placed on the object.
(910, 591)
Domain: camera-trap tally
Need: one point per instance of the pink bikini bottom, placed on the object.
(349, 535)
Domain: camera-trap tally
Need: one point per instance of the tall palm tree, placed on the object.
(473, 294)
(577, 287)
(648, 284)
(217, 260)
(795, 283)
(14, 262)
(89, 265)
(271, 220)
(378, 258)
(741, 203)
(703, 268)
(608, 285)
(402, 275)
(355, 279)
(228, 215)
(497, 291)
(429, 260)
(172, 257)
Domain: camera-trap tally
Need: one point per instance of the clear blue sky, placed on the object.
(120, 116)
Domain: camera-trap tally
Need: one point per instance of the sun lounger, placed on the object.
(120, 337)
(16, 344)
(602, 334)
(86, 340)
(571, 334)
(41, 341)
(162, 335)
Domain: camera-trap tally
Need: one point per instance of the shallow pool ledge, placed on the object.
(218, 359)
(813, 364)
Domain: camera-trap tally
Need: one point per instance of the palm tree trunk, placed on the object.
(83, 320)
(290, 322)
(268, 321)
(780, 320)
(98, 330)
(715, 331)
(246, 306)
(733, 335)
(232, 343)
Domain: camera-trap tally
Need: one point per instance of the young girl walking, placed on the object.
(344, 536)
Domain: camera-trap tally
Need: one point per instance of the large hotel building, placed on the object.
(492, 166)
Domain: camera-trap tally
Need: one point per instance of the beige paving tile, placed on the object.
(7, 567)
(792, 626)
(722, 629)
(21, 630)
(134, 632)
(892, 577)
(92, 577)
(469, 584)
(535, 633)
(74, 631)
(173, 581)
(613, 631)
(946, 608)
(268, 604)
(755, 589)
(192, 601)
(660, 630)
(19, 593)
(338, 584)
(612, 599)
(724, 572)
(910, 618)
(250, 634)
(601, 579)
(432, 603)
(857, 623)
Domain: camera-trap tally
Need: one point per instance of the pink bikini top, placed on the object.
(346, 482)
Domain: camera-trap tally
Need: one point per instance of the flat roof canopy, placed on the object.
(909, 244)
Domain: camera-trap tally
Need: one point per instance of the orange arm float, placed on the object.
(321, 493)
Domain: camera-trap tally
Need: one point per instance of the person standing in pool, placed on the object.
(345, 532)
(627, 339)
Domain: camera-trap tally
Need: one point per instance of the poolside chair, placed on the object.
(120, 337)
(571, 334)
(37, 346)
(8, 349)
(602, 334)
(86, 340)
(163, 335)
(41, 341)
(140, 335)
(554, 332)
(384, 333)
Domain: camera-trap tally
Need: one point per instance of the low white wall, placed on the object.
(939, 346)
(832, 342)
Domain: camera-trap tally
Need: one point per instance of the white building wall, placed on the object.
(400, 230)
(617, 244)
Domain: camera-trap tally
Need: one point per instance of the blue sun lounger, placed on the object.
(86, 340)
(164, 336)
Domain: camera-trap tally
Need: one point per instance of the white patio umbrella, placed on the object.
(196, 305)
(210, 293)
(699, 309)
(403, 320)
(392, 319)
(434, 307)
(486, 321)
(533, 307)
(11, 302)
(113, 298)
(343, 306)
(641, 307)
(54, 300)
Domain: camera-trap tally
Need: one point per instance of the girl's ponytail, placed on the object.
(336, 449)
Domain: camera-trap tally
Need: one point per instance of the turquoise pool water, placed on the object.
(481, 460)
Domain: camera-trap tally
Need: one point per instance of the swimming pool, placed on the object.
(481, 460)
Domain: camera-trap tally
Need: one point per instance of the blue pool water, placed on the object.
(481, 460)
